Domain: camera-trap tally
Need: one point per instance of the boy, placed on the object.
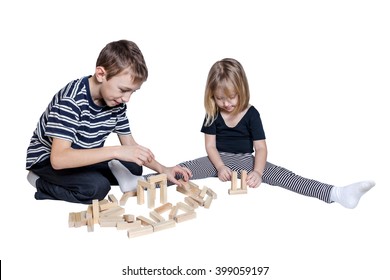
(66, 157)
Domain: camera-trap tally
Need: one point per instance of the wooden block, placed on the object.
(145, 221)
(143, 184)
(198, 199)
(89, 214)
(140, 195)
(210, 192)
(163, 208)
(157, 178)
(208, 201)
(163, 193)
(80, 219)
(164, 225)
(90, 225)
(234, 180)
(183, 190)
(139, 231)
(173, 212)
(191, 202)
(111, 219)
(115, 211)
(185, 217)
(156, 216)
(108, 205)
(71, 219)
(104, 223)
(184, 207)
(129, 218)
(126, 225)
(125, 197)
(243, 179)
(112, 198)
(202, 194)
(238, 191)
(151, 196)
(95, 211)
(193, 185)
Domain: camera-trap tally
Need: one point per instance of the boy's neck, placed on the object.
(94, 87)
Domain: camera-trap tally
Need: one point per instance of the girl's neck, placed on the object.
(231, 119)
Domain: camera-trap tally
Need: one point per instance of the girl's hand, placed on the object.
(254, 179)
(224, 173)
(172, 171)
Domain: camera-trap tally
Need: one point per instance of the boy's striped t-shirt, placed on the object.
(72, 115)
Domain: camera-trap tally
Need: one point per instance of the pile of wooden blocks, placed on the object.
(110, 213)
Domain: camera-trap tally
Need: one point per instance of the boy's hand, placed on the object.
(137, 153)
(224, 173)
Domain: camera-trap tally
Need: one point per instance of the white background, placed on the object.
(319, 75)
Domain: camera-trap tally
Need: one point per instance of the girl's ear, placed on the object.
(100, 74)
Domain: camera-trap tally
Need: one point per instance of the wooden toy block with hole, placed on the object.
(125, 197)
(150, 188)
(161, 180)
(234, 189)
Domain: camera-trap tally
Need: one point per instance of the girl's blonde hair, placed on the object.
(229, 75)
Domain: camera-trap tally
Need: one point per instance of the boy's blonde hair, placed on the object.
(120, 55)
(227, 74)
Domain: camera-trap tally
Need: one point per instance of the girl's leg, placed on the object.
(347, 196)
(200, 168)
(279, 176)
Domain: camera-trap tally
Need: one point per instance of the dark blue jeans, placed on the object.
(78, 185)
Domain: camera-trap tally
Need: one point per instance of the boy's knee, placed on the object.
(97, 190)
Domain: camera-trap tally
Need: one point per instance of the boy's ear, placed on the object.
(100, 74)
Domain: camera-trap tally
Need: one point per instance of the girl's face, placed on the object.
(226, 100)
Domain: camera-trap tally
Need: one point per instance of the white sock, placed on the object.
(127, 181)
(350, 195)
(32, 178)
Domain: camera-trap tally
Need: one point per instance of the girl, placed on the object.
(233, 132)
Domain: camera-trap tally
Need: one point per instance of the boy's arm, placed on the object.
(64, 156)
(158, 167)
(224, 173)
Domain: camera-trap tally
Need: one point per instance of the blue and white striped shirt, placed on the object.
(72, 115)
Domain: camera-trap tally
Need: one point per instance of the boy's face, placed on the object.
(118, 89)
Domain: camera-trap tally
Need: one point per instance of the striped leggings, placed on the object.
(273, 175)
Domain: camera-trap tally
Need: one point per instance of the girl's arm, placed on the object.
(254, 178)
(224, 173)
